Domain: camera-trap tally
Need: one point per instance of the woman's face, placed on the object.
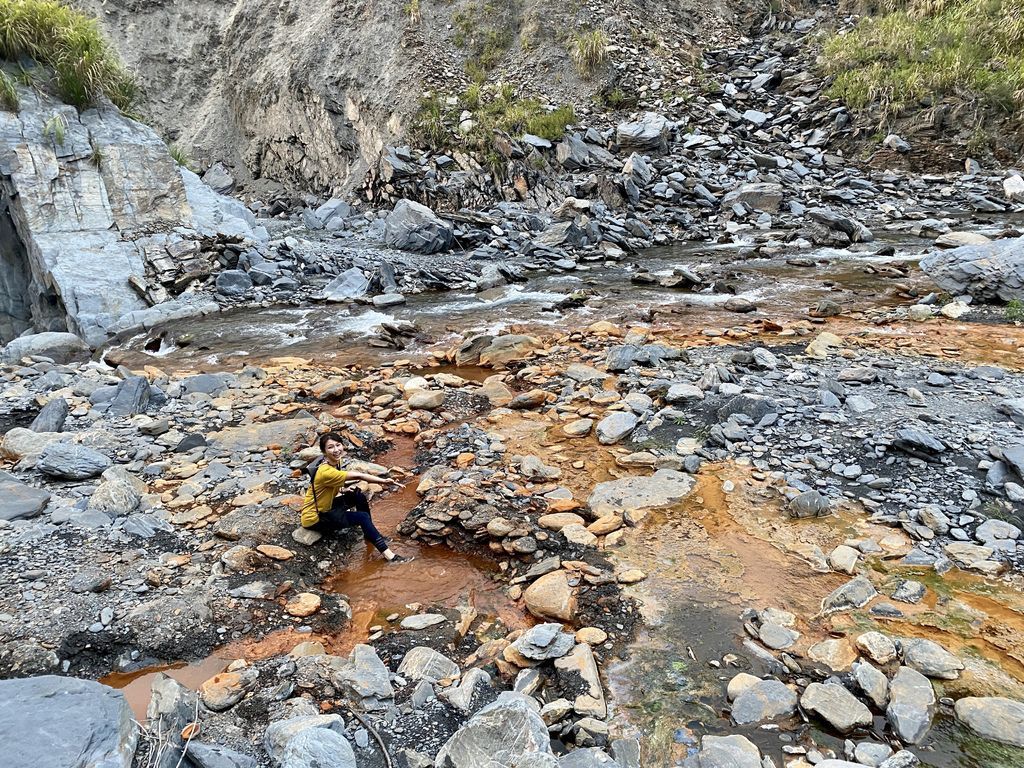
(333, 450)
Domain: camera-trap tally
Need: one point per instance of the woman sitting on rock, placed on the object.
(328, 507)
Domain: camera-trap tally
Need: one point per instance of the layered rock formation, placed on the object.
(94, 212)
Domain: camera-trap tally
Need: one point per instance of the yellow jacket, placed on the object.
(328, 482)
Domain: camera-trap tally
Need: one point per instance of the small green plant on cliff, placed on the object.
(8, 93)
(589, 50)
(56, 128)
(85, 67)
(412, 10)
(930, 49)
(179, 155)
(1015, 311)
(486, 30)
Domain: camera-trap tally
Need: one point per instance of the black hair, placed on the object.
(329, 436)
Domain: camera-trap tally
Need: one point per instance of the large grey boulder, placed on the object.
(65, 722)
(278, 734)
(911, 705)
(931, 659)
(502, 732)
(317, 748)
(649, 134)
(18, 500)
(728, 752)
(761, 196)
(992, 272)
(214, 756)
(589, 757)
(60, 347)
(993, 717)
(616, 427)
(68, 461)
(764, 700)
(836, 706)
(414, 227)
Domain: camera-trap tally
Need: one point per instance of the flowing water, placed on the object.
(338, 333)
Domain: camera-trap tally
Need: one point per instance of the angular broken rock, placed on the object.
(616, 427)
(837, 706)
(911, 705)
(502, 733)
(281, 732)
(577, 671)
(544, 641)
(414, 227)
(363, 674)
(423, 663)
(856, 593)
(877, 647)
(764, 700)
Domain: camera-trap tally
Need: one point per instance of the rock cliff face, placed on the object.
(307, 95)
(92, 210)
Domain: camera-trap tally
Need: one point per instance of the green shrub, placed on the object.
(8, 93)
(618, 99)
(929, 49)
(589, 50)
(1015, 311)
(495, 108)
(85, 67)
(551, 125)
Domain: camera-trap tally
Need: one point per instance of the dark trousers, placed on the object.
(350, 509)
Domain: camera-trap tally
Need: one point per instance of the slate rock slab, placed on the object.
(63, 721)
(71, 462)
(18, 500)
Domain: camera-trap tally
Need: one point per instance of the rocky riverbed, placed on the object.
(785, 539)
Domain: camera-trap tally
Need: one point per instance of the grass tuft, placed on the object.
(56, 128)
(929, 49)
(180, 156)
(85, 67)
(589, 50)
(8, 93)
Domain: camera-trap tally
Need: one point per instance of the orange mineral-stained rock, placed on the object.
(303, 604)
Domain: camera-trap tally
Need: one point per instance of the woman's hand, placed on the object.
(385, 481)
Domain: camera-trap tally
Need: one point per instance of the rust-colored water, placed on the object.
(136, 685)
(437, 575)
